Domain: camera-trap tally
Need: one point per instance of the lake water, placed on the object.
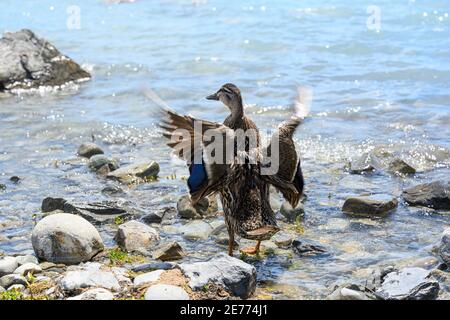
(377, 87)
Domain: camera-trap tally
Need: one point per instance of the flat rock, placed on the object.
(169, 252)
(7, 265)
(89, 149)
(369, 206)
(409, 284)
(238, 277)
(136, 236)
(399, 166)
(76, 280)
(27, 61)
(94, 294)
(148, 277)
(282, 239)
(305, 247)
(96, 212)
(11, 279)
(292, 214)
(28, 267)
(65, 238)
(434, 195)
(350, 292)
(165, 292)
(135, 173)
(196, 229)
(444, 246)
(206, 207)
(153, 266)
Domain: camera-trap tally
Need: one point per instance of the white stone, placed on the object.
(74, 280)
(28, 268)
(7, 265)
(65, 238)
(136, 236)
(147, 277)
(94, 294)
(196, 229)
(26, 259)
(165, 292)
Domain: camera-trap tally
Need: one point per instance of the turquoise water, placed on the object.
(385, 90)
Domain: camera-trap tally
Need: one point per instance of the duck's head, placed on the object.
(230, 95)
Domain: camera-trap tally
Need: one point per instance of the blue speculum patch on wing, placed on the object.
(197, 177)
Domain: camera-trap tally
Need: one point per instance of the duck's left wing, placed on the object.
(202, 144)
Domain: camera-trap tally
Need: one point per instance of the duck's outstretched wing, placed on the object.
(288, 179)
(192, 140)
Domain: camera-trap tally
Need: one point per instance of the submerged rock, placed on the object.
(206, 207)
(408, 284)
(401, 167)
(236, 276)
(365, 163)
(369, 206)
(135, 173)
(89, 149)
(282, 239)
(94, 294)
(27, 61)
(292, 214)
(136, 236)
(65, 238)
(102, 164)
(76, 280)
(444, 247)
(169, 252)
(7, 265)
(434, 195)
(196, 229)
(96, 213)
(165, 292)
(304, 247)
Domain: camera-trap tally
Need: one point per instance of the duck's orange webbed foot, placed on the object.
(252, 250)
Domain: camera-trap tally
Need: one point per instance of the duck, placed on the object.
(228, 159)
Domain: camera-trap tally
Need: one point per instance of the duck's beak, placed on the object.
(213, 96)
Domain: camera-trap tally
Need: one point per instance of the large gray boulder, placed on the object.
(444, 246)
(236, 276)
(434, 195)
(27, 61)
(137, 236)
(408, 284)
(65, 238)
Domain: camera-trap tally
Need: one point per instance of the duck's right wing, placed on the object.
(202, 144)
(288, 178)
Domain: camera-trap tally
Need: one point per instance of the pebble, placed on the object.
(196, 229)
(369, 206)
(94, 294)
(169, 251)
(10, 279)
(28, 267)
(165, 292)
(76, 280)
(7, 265)
(136, 236)
(145, 278)
(89, 149)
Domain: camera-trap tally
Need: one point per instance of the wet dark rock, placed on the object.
(153, 217)
(408, 284)
(206, 207)
(351, 292)
(65, 238)
(96, 213)
(153, 266)
(113, 190)
(102, 164)
(135, 173)
(27, 61)
(370, 206)
(2, 186)
(89, 149)
(15, 179)
(304, 247)
(399, 166)
(292, 214)
(236, 276)
(444, 247)
(169, 252)
(365, 163)
(135, 236)
(442, 277)
(434, 195)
